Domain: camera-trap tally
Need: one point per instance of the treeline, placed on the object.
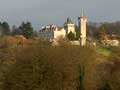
(4, 28)
(95, 29)
(24, 29)
(40, 66)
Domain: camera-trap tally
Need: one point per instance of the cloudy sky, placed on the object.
(43, 12)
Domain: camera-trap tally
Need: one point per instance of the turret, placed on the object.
(69, 26)
(82, 25)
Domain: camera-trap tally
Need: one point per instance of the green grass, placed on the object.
(106, 51)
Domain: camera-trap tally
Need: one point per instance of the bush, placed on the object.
(71, 36)
(32, 72)
(44, 67)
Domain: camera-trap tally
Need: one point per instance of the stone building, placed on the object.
(111, 40)
(54, 32)
(82, 25)
(69, 26)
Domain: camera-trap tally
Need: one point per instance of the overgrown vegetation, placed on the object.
(35, 65)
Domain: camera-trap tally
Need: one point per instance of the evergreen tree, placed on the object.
(102, 34)
(77, 32)
(71, 36)
(1, 30)
(16, 30)
(27, 29)
(6, 28)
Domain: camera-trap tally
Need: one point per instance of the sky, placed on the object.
(44, 12)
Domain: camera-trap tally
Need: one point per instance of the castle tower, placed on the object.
(69, 26)
(82, 25)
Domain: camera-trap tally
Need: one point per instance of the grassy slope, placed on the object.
(106, 51)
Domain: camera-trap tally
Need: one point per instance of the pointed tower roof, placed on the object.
(82, 15)
(69, 21)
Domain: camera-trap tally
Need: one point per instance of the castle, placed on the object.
(53, 32)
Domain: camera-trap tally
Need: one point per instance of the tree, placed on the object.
(68, 58)
(77, 32)
(102, 35)
(81, 85)
(16, 31)
(46, 67)
(109, 72)
(6, 28)
(14, 28)
(62, 42)
(1, 30)
(71, 36)
(32, 72)
(35, 34)
(27, 29)
(115, 69)
(104, 86)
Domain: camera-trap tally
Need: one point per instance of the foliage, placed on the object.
(71, 36)
(39, 66)
(27, 29)
(104, 86)
(115, 55)
(102, 34)
(109, 72)
(16, 31)
(81, 85)
(77, 32)
(110, 28)
(48, 67)
(32, 72)
(63, 42)
(5, 29)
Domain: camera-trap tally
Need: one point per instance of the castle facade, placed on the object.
(53, 32)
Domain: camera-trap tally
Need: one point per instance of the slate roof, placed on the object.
(69, 21)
